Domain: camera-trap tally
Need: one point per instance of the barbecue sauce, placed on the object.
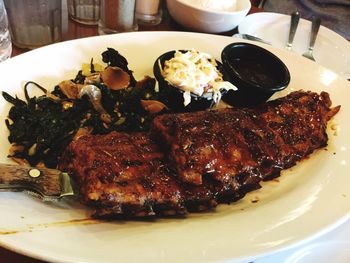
(254, 71)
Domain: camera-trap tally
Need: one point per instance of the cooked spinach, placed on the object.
(41, 127)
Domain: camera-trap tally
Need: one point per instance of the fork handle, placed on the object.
(316, 22)
(294, 21)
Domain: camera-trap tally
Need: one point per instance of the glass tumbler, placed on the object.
(5, 38)
(84, 11)
(34, 23)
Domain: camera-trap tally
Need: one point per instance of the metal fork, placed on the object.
(316, 22)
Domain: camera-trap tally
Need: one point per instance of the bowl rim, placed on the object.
(216, 12)
(280, 86)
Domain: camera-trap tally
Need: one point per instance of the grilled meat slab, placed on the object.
(247, 144)
(193, 161)
(124, 174)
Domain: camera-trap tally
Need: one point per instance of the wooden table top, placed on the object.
(75, 31)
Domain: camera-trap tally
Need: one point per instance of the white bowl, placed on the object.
(204, 20)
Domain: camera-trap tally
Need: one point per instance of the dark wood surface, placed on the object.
(75, 31)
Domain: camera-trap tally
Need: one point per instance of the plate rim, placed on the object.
(158, 33)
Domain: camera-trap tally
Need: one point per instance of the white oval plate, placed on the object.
(331, 247)
(307, 201)
(331, 50)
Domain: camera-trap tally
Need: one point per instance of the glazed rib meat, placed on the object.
(193, 161)
(249, 145)
(125, 174)
(122, 173)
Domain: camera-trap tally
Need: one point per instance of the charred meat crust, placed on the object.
(251, 144)
(193, 161)
(122, 174)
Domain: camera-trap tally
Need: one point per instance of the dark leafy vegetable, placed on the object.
(41, 127)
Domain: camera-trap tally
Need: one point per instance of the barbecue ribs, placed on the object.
(193, 161)
(252, 144)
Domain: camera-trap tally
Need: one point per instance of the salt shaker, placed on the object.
(5, 38)
(117, 16)
(148, 12)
